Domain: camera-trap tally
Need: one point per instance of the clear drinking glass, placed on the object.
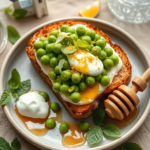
(132, 11)
(3, 35)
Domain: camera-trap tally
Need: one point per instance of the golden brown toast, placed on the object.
(123, 76)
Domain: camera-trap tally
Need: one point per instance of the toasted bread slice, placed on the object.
(123, 76)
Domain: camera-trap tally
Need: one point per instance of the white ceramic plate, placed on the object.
(17, 58)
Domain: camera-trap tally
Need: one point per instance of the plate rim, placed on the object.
(40, 144)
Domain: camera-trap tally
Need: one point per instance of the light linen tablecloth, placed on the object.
(69, 8)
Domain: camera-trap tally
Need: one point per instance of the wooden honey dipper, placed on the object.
(124, 99)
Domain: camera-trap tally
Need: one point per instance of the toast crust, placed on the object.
(123, 76)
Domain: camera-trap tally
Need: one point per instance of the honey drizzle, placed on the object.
(73, 138)
(34, 125)
(126, 121)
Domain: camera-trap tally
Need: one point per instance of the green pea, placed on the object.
(65, 75)
(75, 97)
(51, 39)
(65, 65)
(84, 126)
(64, 127)
(103, 55)
(104, 72)
(55, 106)
(115, 59)
(50, 123)
(108, 51)
(90, 33)
(87, 39)
(56, 86)
(45, 95)
(61, 56)
(101, 43)
(82, 86)
(57, 70)
(90, 80)
(51, 55)
(45, 43)
(96, 51)
(72, 89)
(80, 30)
(43, 39)
(98, 78)
(105, 80)
(97, 37)
(57, 48)
(52, 75)
(67, 41)
(44, 60)
(102, 38)
(40, 52)
(64, 89)
(53, 62)
(58, 79)
(76, 89)
(90, 47)
(76, 78)
(49, 47)
(74, 36)
(38, 44)
(70, 30)
(108, 63)
(64, 28)
(55, 33)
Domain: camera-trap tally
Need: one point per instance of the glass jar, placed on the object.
(131, 11)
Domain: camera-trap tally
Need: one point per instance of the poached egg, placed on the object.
(85, 63)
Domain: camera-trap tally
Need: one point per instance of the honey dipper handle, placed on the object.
(139, 83)
(146, 75)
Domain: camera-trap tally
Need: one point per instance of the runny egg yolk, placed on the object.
(90, 93)
(86, 63)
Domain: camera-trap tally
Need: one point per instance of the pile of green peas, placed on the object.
(64, 127)
(65, 81)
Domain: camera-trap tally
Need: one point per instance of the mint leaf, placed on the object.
(82, 44)
(94, 135)
(61, 37)
(8, 9)
(13, 34)
(4, 145)
(61, 63)
(14, 81)
(15, 144)
(19, 13)
(68, 49)
(23, 88)
(99, 116)
(131, 146)
(5, 98)
(112, 131)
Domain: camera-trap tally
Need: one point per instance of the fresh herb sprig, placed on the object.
(95, 134)
(15, 144)
(17, 88)
(131, 146)
(13, 34)
(17, 13)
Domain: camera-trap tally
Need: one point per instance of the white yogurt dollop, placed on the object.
(32, 105)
